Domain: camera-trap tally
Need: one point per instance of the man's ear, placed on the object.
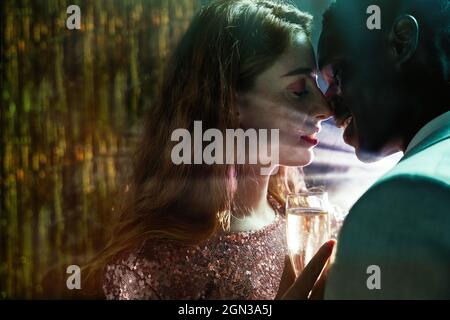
(404, 38)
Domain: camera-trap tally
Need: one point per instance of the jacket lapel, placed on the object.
(434, 138)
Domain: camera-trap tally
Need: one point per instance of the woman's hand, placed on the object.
(310, 284)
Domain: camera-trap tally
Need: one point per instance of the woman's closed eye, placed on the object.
(301, 93)
(299, 88)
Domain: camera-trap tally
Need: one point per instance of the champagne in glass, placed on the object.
(308, 226)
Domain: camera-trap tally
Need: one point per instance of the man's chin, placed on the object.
(362, 153)
(370, 154)
(366, 156)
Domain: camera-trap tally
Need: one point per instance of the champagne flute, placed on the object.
(308, 226)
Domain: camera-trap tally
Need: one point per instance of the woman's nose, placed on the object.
(321, 108)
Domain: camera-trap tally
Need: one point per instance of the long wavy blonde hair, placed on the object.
(227, 45)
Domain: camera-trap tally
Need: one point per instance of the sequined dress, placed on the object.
(239, 265)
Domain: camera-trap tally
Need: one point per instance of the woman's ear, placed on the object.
(404, 38)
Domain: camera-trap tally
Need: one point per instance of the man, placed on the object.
(390, 88)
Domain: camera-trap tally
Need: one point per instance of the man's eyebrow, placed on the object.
(301, 70)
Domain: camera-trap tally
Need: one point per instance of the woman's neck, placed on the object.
(252, 210)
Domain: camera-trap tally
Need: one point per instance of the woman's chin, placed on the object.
(301, 158)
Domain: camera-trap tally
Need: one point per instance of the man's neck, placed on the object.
(421, 121)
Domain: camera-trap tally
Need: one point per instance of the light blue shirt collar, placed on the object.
(431, 127)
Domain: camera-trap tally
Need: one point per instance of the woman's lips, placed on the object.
(311, 139)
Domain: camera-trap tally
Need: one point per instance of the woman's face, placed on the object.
(286, 97)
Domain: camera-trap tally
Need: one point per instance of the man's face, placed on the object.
(364, 92)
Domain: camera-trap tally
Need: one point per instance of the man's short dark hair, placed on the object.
(433, 17)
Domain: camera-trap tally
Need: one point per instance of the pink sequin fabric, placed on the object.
(241, 265)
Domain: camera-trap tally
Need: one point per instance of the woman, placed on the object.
(217, 231)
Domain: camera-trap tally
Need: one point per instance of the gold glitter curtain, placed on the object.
(70, 105)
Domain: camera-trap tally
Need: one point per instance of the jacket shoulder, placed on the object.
(432, 162)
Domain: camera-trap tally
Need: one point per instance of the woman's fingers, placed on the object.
(305, 282)
(318, 292)
(287, 278)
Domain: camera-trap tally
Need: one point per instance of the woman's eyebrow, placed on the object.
(301, 70)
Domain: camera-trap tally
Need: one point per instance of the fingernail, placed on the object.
(332, 242)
